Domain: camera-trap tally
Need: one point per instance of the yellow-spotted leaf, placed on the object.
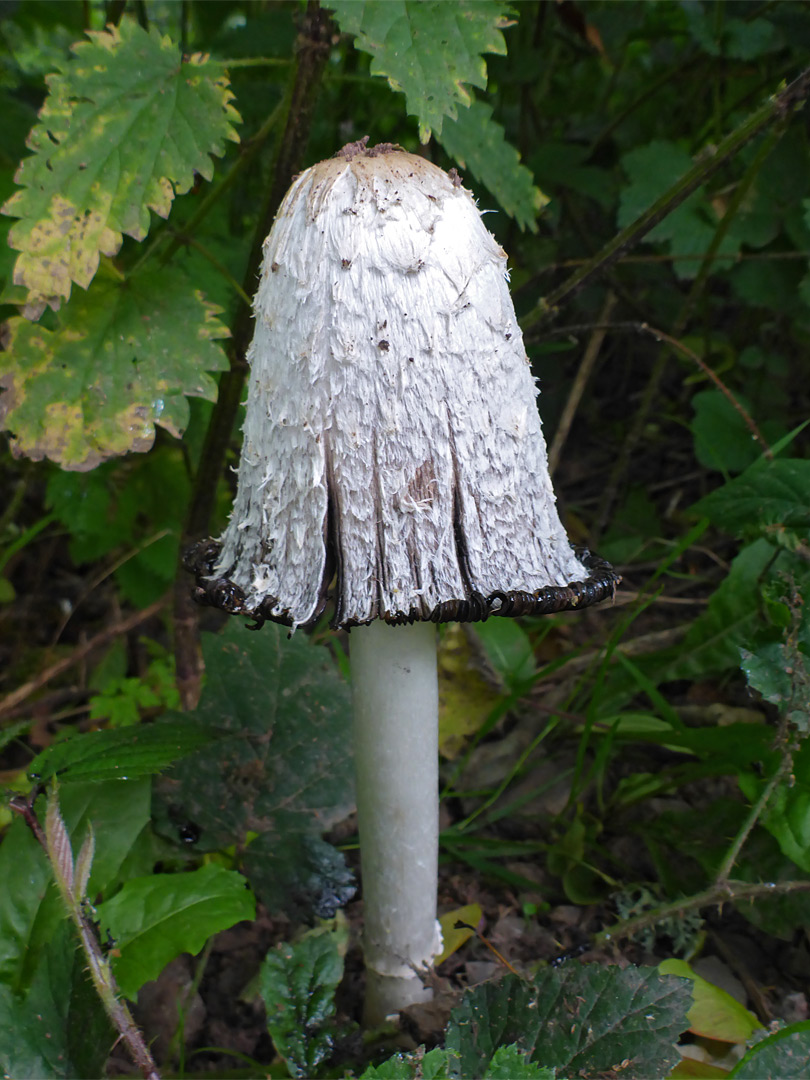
(123, 359)
(465, 697)
(128, 123)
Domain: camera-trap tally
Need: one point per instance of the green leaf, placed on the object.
(779, 671)
(770, 493)
(784, 1055)
(713, 641)
(787, 817)
(689, 229)
(780, 915)
(120, 754)
(583, 1019)
(127, 124)
(154, 919)
(58, 1028)
(509, 650)
(121, 361)
(511, 1063)
(508, 1063)
(30, 907)
(138, 504)
(722, 438)
(477, 143)
(285, 755)
(298, 984)
(427, 49)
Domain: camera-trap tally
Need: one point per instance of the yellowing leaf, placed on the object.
(127, 124)
(122, 360)
(714, 1014)
(452, 937)
(465, 697)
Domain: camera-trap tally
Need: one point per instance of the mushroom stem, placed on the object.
(396, 748)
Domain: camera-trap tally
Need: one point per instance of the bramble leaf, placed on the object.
(127, 124)
(282, 761)
(427, 49)
(154, 919)
(585, 1020)
(782, 1055)
(122, 360)
(478, 143)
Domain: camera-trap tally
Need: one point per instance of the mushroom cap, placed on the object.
(392, 440)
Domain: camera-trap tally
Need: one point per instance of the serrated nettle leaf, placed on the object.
(120, 754)
(286, 717)
(714, 639)
(127, 124)
(123, 359)
(766, 672)
(298, 984)
(154, 919)
(585, 1020)
(428, 49)
(477, 142)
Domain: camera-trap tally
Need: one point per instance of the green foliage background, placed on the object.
(141, 148)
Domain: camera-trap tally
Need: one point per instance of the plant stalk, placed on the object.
(775, 109)
(396, 750)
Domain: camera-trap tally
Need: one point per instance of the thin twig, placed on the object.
(752, 818)
(775, 109)
(102, 576)
(11, 702)
(718, 894)
(718, 382)
(674, 343)
(578, 387)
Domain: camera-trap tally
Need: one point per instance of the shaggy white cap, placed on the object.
(392, 435)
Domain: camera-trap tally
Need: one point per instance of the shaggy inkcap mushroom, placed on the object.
(392, 457)
(392, 441)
